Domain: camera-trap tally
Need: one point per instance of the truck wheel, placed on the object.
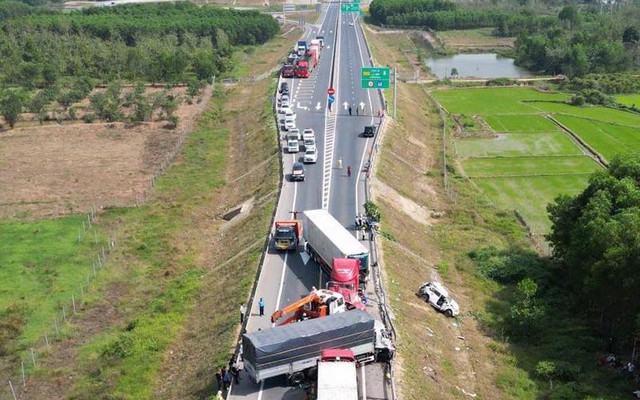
(312, 374)
(448, 313)
(425, 297)
(296, 378)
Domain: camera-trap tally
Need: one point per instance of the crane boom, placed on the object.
(312, 297)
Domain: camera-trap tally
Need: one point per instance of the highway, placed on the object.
(286, 277)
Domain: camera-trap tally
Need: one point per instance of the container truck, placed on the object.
(337, 376)
(327, 239)
(301, 47)
(293, 350)
(288, 70)
(306, 64)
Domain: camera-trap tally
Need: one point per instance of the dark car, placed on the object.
(297, 172)
(369, 131)
(284, 87)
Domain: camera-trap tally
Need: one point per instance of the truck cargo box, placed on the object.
(287, 348)
(329, 239)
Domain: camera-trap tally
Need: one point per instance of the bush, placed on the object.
(89, 118)
(372, 211)
(506, 266)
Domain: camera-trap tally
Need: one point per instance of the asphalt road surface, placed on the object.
(286, 277)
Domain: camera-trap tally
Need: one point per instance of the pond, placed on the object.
(487, 65)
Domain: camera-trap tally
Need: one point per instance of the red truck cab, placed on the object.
(345, 279)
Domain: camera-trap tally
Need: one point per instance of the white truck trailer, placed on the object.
(293, 350)
(327, 239)
(337, 379)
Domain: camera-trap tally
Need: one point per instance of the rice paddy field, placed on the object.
(536, 153)
(629, 99)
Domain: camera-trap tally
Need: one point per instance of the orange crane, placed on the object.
(319, 303)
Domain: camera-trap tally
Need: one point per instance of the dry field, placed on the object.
(56, 169)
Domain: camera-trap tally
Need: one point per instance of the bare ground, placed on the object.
(51, 170)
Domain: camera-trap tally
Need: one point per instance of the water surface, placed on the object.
(486, 65)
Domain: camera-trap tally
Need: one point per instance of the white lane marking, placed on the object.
(261, 389)
(363, 380)
(330, 120)
(366, 145)
(284, 266)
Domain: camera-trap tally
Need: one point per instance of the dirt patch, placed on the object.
(55, 169)
(416, 211)
(51, 170)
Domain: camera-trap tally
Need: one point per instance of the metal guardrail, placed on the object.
(380, 290)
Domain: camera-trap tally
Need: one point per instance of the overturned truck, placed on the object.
(294, 350)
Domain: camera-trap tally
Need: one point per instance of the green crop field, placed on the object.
(531, 194)
(520, 123)
(42, 264)
(595, 113)
(629, 99)
(529, 166)
(605, 138)
(494, 100)
(519, 144)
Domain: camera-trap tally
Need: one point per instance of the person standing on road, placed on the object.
(243, 311)
(357, 109)
(219, 379)
(261, 306)
(349, 171)
(226, 379)
(350, 110)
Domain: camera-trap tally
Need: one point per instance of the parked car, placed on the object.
(309, 143)
(294, 133)
(310, 156)
(284, 87)
(293, 146)
(289, 124)
(297, 172)
(289, 113)
(436, 295)
(369, 131)
(284, 106)
(308, 133)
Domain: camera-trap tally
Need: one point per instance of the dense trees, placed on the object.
(596, 245)
(576, 42)
(151, 42)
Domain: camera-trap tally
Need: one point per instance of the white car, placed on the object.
(294, 133)
(284, 106)
(309, 143)
(289, 113)
(436, 295)
(310, 156)
(289, 124)
(293, 146)
(309, 132)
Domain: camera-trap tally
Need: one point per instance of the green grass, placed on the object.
(494, 100)
(605, 138)
(529, 166)
(531, 194)
(519, 144)
(629, 99)
(520, 123)
(41, 265)
(594, 113)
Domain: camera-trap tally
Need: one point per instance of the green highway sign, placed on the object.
(375, 78)
(350, 7)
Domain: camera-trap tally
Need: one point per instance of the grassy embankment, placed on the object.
(435, 362)
(162, 316)
(441, 358)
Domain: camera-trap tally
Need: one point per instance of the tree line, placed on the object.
(576, 42)
(148, 42)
